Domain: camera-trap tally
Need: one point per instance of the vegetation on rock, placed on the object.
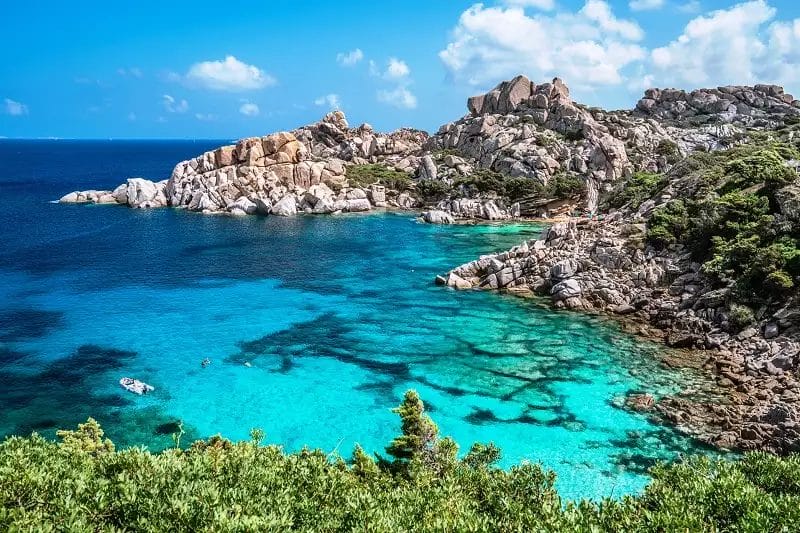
(82, 484)
(365, 175)
(729, 216)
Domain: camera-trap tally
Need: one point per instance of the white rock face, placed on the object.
(437, 217)
(142, 193)
(286, 206)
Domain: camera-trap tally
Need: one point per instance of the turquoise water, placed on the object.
(336, 316)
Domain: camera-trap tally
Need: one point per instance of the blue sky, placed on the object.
(231, 69)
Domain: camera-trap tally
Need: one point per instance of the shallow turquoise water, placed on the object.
(337, 316)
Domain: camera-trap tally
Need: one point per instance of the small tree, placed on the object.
(88, 438)
(420, 433)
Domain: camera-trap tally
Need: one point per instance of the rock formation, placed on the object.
(519, 129)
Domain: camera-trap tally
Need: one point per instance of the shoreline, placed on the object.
(752, 404)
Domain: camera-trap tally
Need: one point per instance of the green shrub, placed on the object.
(432, 189)
(564, 186)
(668, 224)
(217, 485)
(669, 149)
(778, 282)
(764, 166)
(366, 175)
(740, 317)
(634, 191)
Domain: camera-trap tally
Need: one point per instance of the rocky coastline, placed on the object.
(536, 134)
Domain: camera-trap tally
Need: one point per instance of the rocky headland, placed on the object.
(675, 209)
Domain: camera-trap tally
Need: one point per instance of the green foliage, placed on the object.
(729, 222)
(432, 189)
(560, 186)
(635, 190)
(88, 438)
(668, 224)
(669, 149)
(366, 175)
(740, 317)
(762, 167)
(220, 486)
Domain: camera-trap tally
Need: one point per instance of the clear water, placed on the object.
(337, 317)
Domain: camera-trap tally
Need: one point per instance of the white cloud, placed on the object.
(134, 72)
(174, 106)
(14, 108)
(397, 69)
(249, 109)
(645, 5)
(330, 100)
(739, 45)
(399, 97)
(348, 59)
(229, 74)
(692, 6)
(600, 12)
(204, 116)
(547, 5)
(589, 48)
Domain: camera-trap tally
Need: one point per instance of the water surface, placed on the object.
(335, 317)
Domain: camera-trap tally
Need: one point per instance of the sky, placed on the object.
(203, 69)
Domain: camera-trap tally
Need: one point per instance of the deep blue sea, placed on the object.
(337, 316)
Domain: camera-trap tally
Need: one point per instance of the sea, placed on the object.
(314, 327)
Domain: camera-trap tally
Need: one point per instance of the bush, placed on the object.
(668, 224)
(728, 219)
(432, 189)
(740, 317)
(217, 485)
(366, 175)
(669, 149)
(763, 166)
(635, 190)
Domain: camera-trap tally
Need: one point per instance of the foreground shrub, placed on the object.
(81, 484)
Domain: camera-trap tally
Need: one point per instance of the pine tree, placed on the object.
(419, 432)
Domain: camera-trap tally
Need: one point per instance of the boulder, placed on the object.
(564, 269)
(437, 217)
(357, 204)
(285, 207)
(245, 205)
(569, 288)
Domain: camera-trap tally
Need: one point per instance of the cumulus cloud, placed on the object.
(645, 5)
(589, 48)
(348, 59)
(249, 109)
(174, 106)
(399, 97)
(204, 116)
(539, 4)
(742, 44)
(397, 69)
(228, 74)
(330, 100)
(14, 108)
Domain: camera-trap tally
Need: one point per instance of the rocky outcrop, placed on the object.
(520, 129)
(602, 266)
(437, 217)
(757, 106)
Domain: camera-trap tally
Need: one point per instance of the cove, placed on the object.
(336, 318)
